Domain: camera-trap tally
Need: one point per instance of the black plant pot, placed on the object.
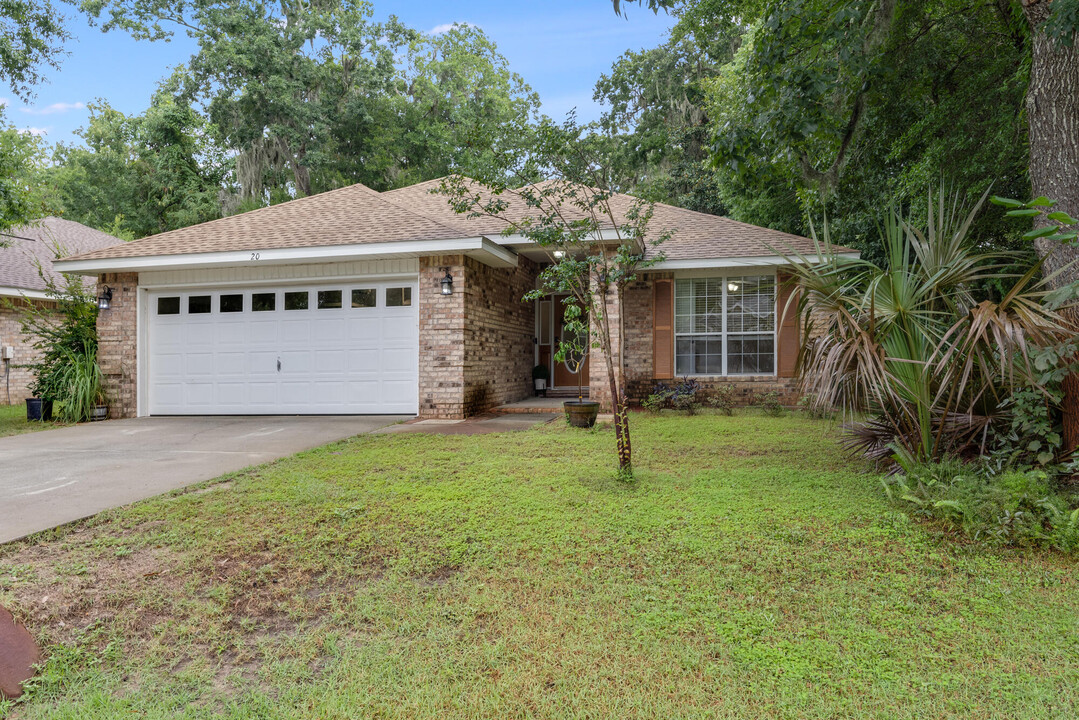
(38, 409)
(581, 413)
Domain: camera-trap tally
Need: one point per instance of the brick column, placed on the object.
(442, 347)
(117, 343)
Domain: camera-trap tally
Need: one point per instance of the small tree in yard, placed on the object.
(597, 241)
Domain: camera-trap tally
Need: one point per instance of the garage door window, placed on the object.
(398, 297)
(232, 303)
(296, 300)
(363, 298)
(168, 306)
(264, 302)
(329, 299)
(198, 305)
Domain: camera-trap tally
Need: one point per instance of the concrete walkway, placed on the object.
(53, 477)
(479, 425)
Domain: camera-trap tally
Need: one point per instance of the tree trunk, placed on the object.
(1053, 116)
(618, 400)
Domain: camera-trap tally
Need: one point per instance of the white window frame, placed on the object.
(724, 279)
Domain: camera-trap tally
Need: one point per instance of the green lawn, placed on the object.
(13, 421)
(750, 572)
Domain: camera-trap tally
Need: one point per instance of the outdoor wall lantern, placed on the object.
(104, 301)
(447, 282)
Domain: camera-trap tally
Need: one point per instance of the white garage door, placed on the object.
(350, 347)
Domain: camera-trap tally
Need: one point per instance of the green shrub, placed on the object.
(769, 403)
(1012, 508)
(722, 399)
(655, 402)
(69, 328)
(808, 404)
(78, 386)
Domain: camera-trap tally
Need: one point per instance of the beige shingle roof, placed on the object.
(39, 244)
(357, 214)
(694, 235)
(350, 215)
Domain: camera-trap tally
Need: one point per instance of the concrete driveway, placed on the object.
(52, 477)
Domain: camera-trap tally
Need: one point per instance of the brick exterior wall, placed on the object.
(117, 343)
(499, 332)
(640, 380)
(476, 345)
(15, 380)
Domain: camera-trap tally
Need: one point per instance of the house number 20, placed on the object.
(255, 256)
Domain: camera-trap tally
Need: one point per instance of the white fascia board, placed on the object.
(607, 234)
(706, 263)
(480, 248)
(23, 293)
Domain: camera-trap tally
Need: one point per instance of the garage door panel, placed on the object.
(231, 363)
(331, 361)
(294, 332)
(273, 360)
(262, 331)
(262, 394)
(199, 394)
(199, 333)
(199, 364)
(262, 363)
(232, 394)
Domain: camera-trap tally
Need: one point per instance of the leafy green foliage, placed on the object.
(32, 35)
(769, 403)
(722, 399)
(837, 108)
(915, 342)
(140, 175)
(61, 334)
(22, 197)
(1013, 508)
(78, 385)
(565, 215)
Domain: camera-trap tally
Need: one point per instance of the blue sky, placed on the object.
(560, 47)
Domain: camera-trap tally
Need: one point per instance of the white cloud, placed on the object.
(60, 107)
(37, 131)
(446, 27)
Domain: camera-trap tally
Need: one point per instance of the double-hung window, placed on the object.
(725, 325)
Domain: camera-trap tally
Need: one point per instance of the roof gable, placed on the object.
(41, 242)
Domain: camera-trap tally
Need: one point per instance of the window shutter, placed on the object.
(663, 328)
(787, 337)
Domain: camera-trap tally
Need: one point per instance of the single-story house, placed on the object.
(26, 255)
(335, 303)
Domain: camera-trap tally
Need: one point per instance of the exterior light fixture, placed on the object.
(447, 282)
(732, 287)
(559, 254)
(104, 300)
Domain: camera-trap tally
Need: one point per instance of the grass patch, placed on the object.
(750, 571)
(13, 421)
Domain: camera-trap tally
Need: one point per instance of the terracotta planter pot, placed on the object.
(581, 414)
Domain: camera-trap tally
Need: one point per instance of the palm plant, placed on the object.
(912, 343)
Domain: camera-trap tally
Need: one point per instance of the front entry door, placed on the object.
(563, 374)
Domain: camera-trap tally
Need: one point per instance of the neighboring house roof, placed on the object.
(358, 216)
(37, 245)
